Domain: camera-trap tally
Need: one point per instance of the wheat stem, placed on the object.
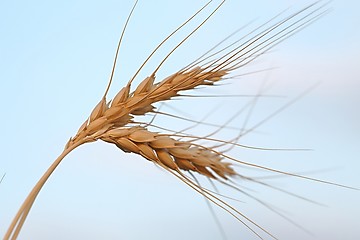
(18, 221)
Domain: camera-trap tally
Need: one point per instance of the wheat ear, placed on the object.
(113, 121)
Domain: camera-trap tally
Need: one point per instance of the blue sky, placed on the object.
(55, 60)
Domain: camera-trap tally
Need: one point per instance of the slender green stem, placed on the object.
(18, 221)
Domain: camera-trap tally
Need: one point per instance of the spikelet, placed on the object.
(169, 152)
(126, 105)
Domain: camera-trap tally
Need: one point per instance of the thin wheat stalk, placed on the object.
(2, 178)
(178, 153)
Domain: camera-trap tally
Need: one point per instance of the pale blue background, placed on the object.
(55, 59)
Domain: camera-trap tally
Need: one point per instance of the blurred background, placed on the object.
(55, 60)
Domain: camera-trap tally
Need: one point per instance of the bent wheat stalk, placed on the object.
(178, 153)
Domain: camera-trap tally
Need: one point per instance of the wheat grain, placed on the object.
(113, 121)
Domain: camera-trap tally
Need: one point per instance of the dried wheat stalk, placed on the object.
(113, 121)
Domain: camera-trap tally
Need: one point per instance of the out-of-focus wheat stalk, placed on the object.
(178, 153)
(2, 178)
